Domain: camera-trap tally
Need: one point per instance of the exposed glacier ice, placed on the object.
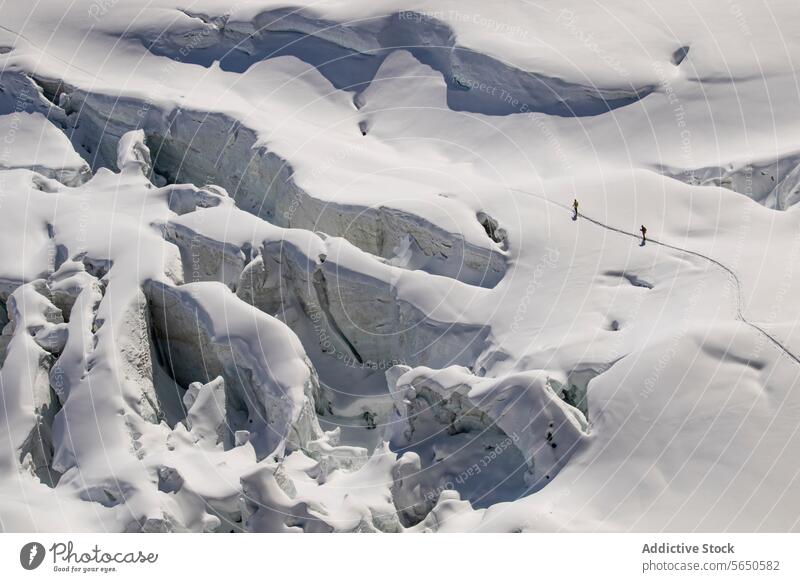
(311, 268)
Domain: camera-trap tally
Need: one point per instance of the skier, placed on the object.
(575, 209)
(644, 234)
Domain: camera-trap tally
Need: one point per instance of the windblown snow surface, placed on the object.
(289, 266)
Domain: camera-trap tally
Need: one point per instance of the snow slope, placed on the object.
(312, 266)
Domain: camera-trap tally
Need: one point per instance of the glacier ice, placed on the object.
(312, 268)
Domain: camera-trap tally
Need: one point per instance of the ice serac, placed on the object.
(372, 312)
(33, 142)
(521, 424)
(206, 416)
(35, 334)
(286, 199)
(200, 147)
(291, 496)
(775, 183)
(203, 331)
(349, 56)
(356, 304)
(133, 154)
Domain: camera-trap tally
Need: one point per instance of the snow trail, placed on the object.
(730, 272)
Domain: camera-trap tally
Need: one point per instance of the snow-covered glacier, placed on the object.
(315, 266)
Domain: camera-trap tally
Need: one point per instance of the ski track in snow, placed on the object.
(731, 273)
